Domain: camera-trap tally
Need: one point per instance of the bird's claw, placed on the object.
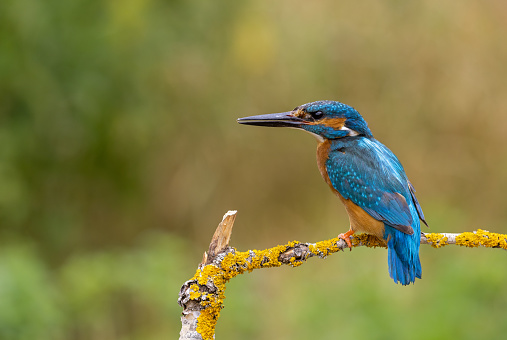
(346, 238)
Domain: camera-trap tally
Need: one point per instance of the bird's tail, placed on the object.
(403, 255)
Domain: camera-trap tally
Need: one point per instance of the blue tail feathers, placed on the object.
(403, 255)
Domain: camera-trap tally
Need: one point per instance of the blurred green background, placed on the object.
(119, 154)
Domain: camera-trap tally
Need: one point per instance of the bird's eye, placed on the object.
(317, 114)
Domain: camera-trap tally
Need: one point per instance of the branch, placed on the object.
(467, 239)
(202, 296)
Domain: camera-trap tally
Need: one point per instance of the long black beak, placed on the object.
(284, 119)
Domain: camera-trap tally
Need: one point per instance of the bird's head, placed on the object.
(325, 119)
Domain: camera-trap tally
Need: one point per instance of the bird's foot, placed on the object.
(346, 238)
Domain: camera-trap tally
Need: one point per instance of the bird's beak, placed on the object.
(284, 119)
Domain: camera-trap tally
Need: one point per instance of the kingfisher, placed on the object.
(365, 175)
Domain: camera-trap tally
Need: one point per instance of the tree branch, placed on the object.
(202, 296)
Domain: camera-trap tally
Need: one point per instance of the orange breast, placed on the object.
(360, 220)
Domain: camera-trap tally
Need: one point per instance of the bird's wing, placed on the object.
(370, 175)
(416, 202)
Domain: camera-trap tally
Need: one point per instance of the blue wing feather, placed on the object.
(369, 174)
(416, 202)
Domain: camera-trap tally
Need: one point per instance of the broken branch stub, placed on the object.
(220, 240)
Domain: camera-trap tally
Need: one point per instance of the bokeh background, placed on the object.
(120, 152)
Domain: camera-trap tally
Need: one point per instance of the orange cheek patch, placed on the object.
(335, 123)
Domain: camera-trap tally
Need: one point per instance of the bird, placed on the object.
(366, 176)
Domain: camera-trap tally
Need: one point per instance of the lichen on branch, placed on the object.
(203, 295)
(467, 239)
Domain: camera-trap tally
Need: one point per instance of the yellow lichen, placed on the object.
(327, 247)
(482, 238)
(206, 322)
(293, 244)
(324, 248)
(295, 263)
(194, 292)
(436, 240)
(367, 240)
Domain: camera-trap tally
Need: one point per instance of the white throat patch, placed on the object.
(352, 133)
